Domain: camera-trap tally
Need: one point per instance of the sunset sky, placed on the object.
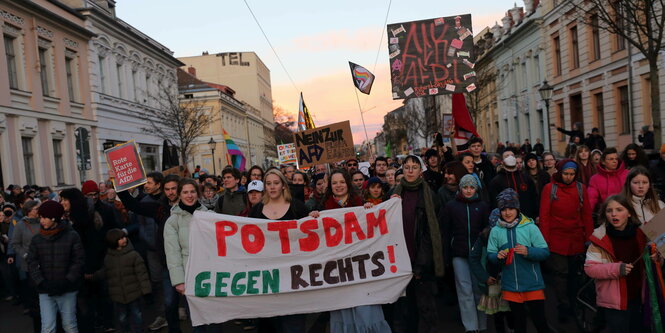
(314, 39)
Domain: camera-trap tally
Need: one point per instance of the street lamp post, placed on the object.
(212, 144)
(546, 94)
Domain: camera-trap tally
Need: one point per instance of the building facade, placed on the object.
(513, 63)
(130, 73)
(599, 80)
(250, 78)
(227, 113)
(47, 125)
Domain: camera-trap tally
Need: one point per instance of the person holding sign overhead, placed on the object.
(176, 239)
(279, 205)
(364, 318)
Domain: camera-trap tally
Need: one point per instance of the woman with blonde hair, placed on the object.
(278, 204)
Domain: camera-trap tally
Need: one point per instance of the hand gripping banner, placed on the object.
(247, 268)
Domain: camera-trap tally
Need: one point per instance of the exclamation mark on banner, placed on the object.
(391, 257)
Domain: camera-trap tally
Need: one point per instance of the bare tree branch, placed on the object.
(180, 122)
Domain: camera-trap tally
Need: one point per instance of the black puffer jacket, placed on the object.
(528, 193)
(461, 221)
(125, 274)
(58, 259)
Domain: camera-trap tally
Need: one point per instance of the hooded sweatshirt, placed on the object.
(523, 274)
(606, 183)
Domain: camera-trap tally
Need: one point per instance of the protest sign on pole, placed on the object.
(654, 229)
(431, 57)
(125, 164)
(241, 267)
(324, 144)
(287, 153)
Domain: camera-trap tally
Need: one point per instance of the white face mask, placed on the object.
(510, 161)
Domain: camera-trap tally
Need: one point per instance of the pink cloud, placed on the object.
(331, 98)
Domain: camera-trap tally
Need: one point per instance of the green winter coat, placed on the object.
(176, 242)
(126, 275)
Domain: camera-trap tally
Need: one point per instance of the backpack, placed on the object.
(580, 192)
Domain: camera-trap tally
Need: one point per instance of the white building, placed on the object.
(129, 73)
(519, 58)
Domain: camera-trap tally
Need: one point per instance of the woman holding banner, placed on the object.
(416, 312)
(364, 318)
(176, 239)
(279, 205)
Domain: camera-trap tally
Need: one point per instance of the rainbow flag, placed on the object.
(304, 118)
(362, 78)
(237, 158)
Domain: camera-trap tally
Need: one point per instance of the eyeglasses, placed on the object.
(352, 164)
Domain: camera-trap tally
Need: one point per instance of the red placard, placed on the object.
(125, 165)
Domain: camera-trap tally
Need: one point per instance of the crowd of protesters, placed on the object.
(495, 226)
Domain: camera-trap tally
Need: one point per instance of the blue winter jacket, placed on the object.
(523, 274)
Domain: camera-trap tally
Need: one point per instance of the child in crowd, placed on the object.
(517, 245)
(461, 221)
(127, 279)
(641, 194)
(614, 260)
(373, 193)
(487, 275)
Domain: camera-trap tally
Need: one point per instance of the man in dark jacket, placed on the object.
(55, 264)
(234, 199)
(484, 168)
(575, 132)
(433, 175)
(511, 177)
(538, 148)
(595, 140)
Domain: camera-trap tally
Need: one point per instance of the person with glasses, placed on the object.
(425, 248)
(549, 163)
(351, 166)
(609, 179)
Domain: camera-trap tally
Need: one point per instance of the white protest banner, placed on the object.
(247, 268)
(286, 153)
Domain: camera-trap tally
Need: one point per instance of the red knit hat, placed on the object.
(90, 186)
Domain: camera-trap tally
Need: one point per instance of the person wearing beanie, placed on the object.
(433, 175)
(566, 224)
(126, 275)
(462, 220)
(511, 177)
(487, 276)
(657, 171)
(374, 193)
(517, 245)
(55, 263)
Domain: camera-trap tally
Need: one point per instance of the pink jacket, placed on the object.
(606, 183)
(601, 265)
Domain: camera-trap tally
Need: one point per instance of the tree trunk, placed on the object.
(654, 77)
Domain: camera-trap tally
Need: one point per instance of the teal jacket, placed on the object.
(523, 274)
